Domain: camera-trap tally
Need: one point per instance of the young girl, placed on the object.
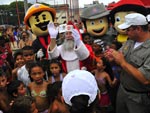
(4, 97)
(16, 89)
(38, 86)
(102, 78)
(19, 62)
(55, 71)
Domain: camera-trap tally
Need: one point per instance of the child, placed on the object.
(22, 73)
(102, 78)
(98, 48)
(24, 104)
(16, 88)
(56, 71)
(54, 96)
(4, 98)
(19, 62)
(38, 86)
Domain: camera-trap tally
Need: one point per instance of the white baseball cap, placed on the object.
(79, 82)
(133, 19)
(148, 18)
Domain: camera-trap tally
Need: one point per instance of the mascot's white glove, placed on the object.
(76, 37)
(40, 53)
(52, 30)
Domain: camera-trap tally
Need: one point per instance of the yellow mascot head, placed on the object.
(37, 18)
(120, 10)
(95, 19)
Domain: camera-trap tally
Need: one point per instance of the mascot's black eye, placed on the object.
(92, 22)
(100, 21)
(44, 17)
(117, 19)
(37, 20)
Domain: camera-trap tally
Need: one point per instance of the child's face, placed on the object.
(96, 47)
(87, 39)
(28, 55)
(37, 74)
(3, 81)
(20, 61)
(21, 90)
(55, 69)
(100, 64)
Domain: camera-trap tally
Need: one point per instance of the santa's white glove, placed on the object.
(76, 37)
(40, 53)
(53, 31)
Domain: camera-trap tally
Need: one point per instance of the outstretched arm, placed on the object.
(53, 33)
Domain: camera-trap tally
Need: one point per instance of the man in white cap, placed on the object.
(134, 59)
(73, 53)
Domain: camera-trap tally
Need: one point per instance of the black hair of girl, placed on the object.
(53, 90)
(33, 64)
(12, 87)
(54, 61)
(80, 104)
(17, 53)
(108, 68)
(28, 48)
(2, 73)
(22, 104)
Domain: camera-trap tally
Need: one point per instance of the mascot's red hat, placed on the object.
(128, 5)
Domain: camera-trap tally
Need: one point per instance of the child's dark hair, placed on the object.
(85, 34)
(54, 61)
(22, 104)
(117, 44)
(53, 91)
(108, 68)
(12, 87)
(27, 48)
(2, 73)
(17, 53)
(33, 64)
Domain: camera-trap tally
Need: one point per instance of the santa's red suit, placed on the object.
(78, 58)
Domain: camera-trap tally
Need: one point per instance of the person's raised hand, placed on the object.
(40, 53)
(53, 31)
(76, 36)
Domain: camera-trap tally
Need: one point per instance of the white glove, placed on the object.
(76, 37)
(52, 30)
(40, 53)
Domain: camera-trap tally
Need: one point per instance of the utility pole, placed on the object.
(25, 6)
(18, 13)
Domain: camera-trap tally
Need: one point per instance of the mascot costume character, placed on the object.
(96, 22)
(37, 18)
(120, 10)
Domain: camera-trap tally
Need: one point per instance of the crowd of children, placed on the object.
(38, 81)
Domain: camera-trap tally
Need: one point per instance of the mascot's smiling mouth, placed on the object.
(98, 30)
(42, 26)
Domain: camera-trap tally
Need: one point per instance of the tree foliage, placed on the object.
(12, 13)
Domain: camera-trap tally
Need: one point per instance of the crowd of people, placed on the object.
(80, 75)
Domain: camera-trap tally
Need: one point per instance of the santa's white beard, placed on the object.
(68, 45)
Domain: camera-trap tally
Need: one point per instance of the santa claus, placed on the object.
(73, 53)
